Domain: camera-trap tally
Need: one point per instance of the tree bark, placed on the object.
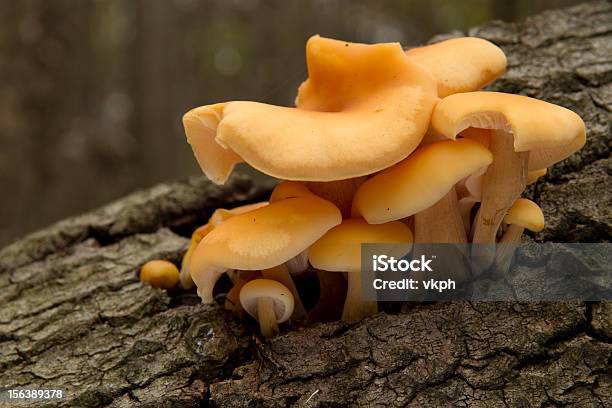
(74, 315)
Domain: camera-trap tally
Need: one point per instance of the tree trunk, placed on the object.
(74, 315)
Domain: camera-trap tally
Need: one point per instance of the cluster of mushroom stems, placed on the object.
(384, 146)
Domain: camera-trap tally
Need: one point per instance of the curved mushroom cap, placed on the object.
(200, 126)
(461, 64)
(419, 181)
(364, 108)
(267, 288)
(527, 214)
(160, 274)
(261, 239)
(215, 219)
(550, 132)
(340, 248)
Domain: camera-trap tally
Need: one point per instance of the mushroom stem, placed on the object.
(267, 317)
(332, 291)
(355, 308)
(508, 243)
(513, 235)
(503, 183)
(440, 223)
(339, 192)
(281, 274)
(465, 209)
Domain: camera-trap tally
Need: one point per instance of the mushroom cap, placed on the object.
(340, 248)
(160, 274)
(527, 214)
(461, 64)
(419, 181)
(344, 76)
(267, 288)
(261, 239)
(549, 132)
(200, 126)
(222, 214)
(364, 108)
(215, 219)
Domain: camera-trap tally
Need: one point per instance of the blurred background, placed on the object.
(92, 91)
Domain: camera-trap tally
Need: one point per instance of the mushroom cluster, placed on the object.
(383, 146)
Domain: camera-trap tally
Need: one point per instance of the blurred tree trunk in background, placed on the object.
(154, 53)
(92, 92)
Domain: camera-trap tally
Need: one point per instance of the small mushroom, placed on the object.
(423, 185)
(524, 214)
(261, 238)
(160, 274)
(470, 192)
(362, 109)
(215, 219)
(280, 273)
(470, 189)
(269, 302)
(526, 134)
(461, 64)
(339, 250)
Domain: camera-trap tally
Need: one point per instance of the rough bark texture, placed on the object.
(75, 316)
